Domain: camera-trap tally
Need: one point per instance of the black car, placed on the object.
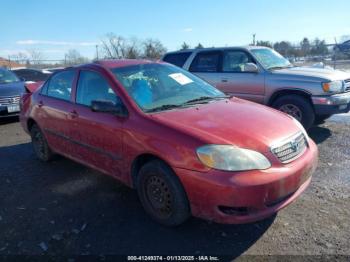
(33, 75)
(11, 88)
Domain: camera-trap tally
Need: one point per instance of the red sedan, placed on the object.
(185, 146)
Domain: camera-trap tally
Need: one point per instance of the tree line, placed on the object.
(305, 48)
(113, 46)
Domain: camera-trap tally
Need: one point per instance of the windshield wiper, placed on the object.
(163, 107)
(279, 67)
(205, 99)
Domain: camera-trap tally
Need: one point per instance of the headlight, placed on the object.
(333, 87)
(231, 158)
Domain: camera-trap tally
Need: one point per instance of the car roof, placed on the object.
(114, 63)
(218, 49)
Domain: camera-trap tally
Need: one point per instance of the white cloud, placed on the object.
(56, 43)
(187, 29)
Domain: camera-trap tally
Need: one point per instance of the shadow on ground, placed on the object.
(72, 210)
(8, 120)
(319, 134)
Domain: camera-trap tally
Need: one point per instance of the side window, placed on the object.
(233, 61)
(92, 86)
(60, 85)
(43, 90)
(206, 62)
(178, 59)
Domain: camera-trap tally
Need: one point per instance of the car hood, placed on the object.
(12, 89)
(323, 73)
(232, 121)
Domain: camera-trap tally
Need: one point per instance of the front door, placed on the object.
(234, 80)
(98, 135)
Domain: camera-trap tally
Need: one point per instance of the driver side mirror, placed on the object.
(251, 68)
(105, 106)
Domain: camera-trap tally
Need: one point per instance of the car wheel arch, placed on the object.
(283, 92)
(139, 162)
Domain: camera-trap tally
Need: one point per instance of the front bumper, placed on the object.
(334, 104)
(244, 197)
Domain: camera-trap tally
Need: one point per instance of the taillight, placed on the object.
(24, 98)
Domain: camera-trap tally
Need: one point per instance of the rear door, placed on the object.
(98, 135)
(55, 105)
(206, 65)
(234, 80)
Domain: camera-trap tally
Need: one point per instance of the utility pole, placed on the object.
(254, 39)
(96, 52)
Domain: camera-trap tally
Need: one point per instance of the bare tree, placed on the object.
(153, 49)
(132, 48)
(20, 57)
(73, 57)
(36, 56)
(114, 46)
(117, 47)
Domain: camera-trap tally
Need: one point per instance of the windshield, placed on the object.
(7, 77)
(158, 87)
(270, 59)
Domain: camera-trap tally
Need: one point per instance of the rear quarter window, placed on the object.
(178, 59)
(60, 85)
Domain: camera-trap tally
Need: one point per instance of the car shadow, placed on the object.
(9, 120)
(71, 210)
(319, 134)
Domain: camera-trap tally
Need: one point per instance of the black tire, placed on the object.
(319, 119)
(305, 112)
(40, 145)
(161, 194)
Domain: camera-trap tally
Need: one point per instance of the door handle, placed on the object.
(73, 114)
(224, 80)
(40, 104)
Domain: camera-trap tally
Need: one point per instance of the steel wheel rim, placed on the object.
(158, 196)
(292, 110)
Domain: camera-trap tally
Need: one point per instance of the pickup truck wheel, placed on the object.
(298, 107)
(161, 194)
(40, 145)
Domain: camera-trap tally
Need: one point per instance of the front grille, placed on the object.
(347, 85)
(9, 100)
(290, 149)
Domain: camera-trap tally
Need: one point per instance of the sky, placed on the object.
(55, 26)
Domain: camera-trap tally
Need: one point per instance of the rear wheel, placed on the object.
(162, 194)
(298, 107)
(40, 145)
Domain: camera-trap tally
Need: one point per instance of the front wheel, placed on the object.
(161, 194)
(298, 107)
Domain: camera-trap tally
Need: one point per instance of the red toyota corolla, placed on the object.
(185, 146)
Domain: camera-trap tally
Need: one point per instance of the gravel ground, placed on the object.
(62, 208)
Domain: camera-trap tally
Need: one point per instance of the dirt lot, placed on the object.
(63, 208)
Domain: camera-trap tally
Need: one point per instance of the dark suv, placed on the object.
(11, 88)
